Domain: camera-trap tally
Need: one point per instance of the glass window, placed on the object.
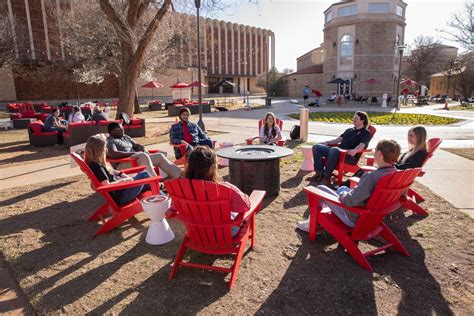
(328, 16)
(399, 10)
(346, 50)
(378, 7)
(349, 10)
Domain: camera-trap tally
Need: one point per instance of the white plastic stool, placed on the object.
(155, 208)
(307, 151)
(222, 161)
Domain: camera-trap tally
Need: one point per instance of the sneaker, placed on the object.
(303, 225)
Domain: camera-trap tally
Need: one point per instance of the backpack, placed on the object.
(295, 132)
(125, 118)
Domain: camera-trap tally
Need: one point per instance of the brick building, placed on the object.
(359, 44)
(238, 53)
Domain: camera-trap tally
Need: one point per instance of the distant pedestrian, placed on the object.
(305, 95)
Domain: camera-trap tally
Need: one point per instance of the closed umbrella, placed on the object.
(372, 82)
(152, 85)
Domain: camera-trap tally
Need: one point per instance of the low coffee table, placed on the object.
(255, 167)
(22, 122)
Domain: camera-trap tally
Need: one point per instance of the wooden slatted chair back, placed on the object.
(85, 168)
(431, 145)
(278, 122)
(372, 130)
(383, 200)
(204, 208)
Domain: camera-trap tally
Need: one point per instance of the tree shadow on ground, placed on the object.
(33, 193)
(9, 144)
(26, 153)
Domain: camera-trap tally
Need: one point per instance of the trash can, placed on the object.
(268, 101)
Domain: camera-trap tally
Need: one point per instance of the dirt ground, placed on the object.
(463, 152)
(45, 238)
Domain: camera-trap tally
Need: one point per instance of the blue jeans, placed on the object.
(54, 129)
(332, 158)
(129, 194)
(205, 142)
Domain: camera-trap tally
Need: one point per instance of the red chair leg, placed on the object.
(414, 207)
(179, 258)
(100, 212)
(238, 259)
(388, 235)
(118, 219)
(252, 244)
(313, 223)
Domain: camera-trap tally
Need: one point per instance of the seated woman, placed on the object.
(76, 116)
(95, 158)
(413, 158)
(98, 115)
(202, 165)
(52, 123)
(270, 132)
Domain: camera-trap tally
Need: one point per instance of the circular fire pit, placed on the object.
(255, 167)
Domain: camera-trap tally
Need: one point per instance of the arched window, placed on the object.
(346, 50)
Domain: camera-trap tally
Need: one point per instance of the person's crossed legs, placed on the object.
(332, 158)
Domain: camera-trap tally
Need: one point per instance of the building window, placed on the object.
(328, 16)
(400, 10)
(346, 50)
(378, 7)
(349, 10)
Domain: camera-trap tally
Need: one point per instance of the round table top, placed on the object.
(254, 152)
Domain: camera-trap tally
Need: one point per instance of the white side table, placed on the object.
(155, 208)
(222, 161)
(307, 151)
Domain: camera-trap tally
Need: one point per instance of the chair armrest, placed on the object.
(182, 148)
(130, 184)
(256, 199)
(133, 170)
(368, 168)
(121, 160)
(251, 139)
(333, 199)
(369, 160)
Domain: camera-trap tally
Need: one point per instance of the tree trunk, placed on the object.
(137, 104)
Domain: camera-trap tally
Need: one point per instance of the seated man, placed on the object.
(385, 156)
(354, 139)
(332, 98)
(123, 146)
(186, 132)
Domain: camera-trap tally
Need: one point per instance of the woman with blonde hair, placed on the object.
(95, 158)
(416, 154)
(202, 165)
(269, 133)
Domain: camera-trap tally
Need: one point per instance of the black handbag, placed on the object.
(295, 132)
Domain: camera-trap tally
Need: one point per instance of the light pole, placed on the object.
(197, 3)
(400, 48)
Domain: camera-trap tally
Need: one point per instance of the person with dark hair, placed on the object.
(76, 116)
(98, 115)
(52, 123)
(120, 146)
(354, 140)
(188, 133)
(270, 132)
(305, 94)
(386, 154)
(202, 165)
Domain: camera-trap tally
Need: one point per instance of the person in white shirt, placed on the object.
(270, 132)
(76, 115)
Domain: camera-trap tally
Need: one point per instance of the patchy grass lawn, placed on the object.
(380, 118)
(463, 152)
(44, 236)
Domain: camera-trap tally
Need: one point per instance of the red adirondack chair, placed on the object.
(279, 122)
(134, 163)
(120, 213)
(204, 207)
(342, 166)
(413, 198)
(383, 201)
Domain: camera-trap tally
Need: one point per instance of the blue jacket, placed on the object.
(177, 135)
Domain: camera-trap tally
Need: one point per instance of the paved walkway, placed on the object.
(448, 175)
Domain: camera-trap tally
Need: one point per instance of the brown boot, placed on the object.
(326, 181)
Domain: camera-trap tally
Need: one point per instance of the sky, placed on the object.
(298, 24)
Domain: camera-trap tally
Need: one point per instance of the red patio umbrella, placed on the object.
(196, 84)
(152, 85)
(372, 82)
(180, 85)
(409, 82)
